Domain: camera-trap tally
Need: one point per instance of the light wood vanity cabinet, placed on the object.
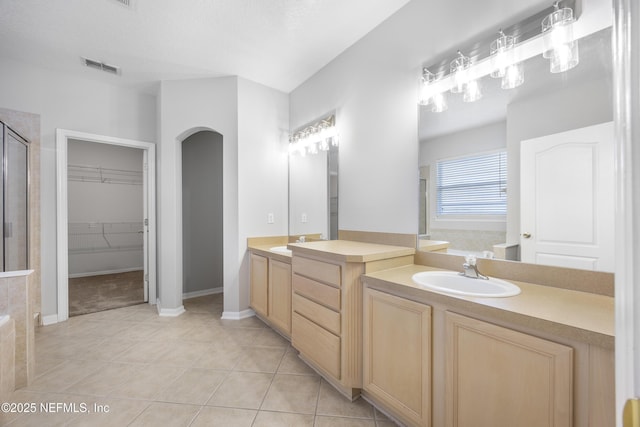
(279, 299)
(499, 377)
(259, 284)
(327, 305)
(318, 322)
(270, 292)
(397, 355)
(426, 365)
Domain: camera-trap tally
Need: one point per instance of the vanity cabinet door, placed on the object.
(499, 377)
(259, 284)
(280, 295)
(397, 355)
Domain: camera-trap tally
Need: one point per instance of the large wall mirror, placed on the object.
(507, 139)
(313, 184)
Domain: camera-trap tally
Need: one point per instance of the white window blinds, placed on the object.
(474, 185)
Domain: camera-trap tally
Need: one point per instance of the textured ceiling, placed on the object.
(279, 43)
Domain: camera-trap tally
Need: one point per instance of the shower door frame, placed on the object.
(149, 173)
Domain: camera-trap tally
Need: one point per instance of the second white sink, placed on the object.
(281, 249)
(453, 283)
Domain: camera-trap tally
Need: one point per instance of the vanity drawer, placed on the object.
(317, 270)
(319, 314)
(318, 292)
(316, 344)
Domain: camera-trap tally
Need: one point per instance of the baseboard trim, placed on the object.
(237, 315)
(49, 320)
(169, 312)
(205, 292)
(102, 273)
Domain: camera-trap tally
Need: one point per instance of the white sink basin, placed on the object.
(281, 249)
(453, 283)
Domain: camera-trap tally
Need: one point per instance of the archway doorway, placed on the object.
(202, 216)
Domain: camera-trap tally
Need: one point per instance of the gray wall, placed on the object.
(202, 212)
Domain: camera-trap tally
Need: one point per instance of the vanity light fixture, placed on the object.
(560, 47)
(505, 56)
(316, 136)
(460, 69)
(504, 62)
(430, 95)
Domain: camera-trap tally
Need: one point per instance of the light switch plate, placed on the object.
(270, 219)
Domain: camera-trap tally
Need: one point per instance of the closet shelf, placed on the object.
(90, 237)
(102, 175)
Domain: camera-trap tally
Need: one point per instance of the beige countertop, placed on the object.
(265, 250)
(350, 251)
(575, 315)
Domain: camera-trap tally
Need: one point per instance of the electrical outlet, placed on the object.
(270, 219)
(303, 219)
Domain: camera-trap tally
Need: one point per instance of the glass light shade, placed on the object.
(501, 54)
(439, 103)
(459, 69)
(335, 140)
(425, 87)
(564, 57)
(557, 28)
(513, 76)
(472, 91)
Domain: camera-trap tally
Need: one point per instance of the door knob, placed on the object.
(526, 235)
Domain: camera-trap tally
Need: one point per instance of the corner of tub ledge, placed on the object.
(16, 273)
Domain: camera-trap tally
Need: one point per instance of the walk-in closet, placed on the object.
(106, 222)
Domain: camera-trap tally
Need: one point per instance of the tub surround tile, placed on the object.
(7, 358)
(19, 306)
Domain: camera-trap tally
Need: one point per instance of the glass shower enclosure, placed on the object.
(14, 251)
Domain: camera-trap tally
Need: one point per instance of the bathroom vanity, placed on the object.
(270, 282)
(542, 358)
(327, 304)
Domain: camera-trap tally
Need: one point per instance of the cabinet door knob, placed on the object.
(526, 235)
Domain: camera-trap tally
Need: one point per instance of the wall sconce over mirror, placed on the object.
(549, 32)
(318, 136)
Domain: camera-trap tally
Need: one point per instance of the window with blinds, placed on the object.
(472, 186)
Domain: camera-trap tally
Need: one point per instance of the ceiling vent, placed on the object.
(112, 69)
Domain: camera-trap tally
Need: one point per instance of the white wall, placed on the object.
(263, 131)
(185, 107)
(75, 103)
(96, 202)
(373, 86)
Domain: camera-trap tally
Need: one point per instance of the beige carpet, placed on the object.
(97, 293)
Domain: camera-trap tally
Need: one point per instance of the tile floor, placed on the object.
(192, 370)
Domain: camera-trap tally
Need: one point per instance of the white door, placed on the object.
(567, 199)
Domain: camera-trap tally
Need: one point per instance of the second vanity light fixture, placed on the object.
(465, 72)
(318, 136)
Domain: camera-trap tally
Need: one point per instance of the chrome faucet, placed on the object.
(301, 239)
(470, 269)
